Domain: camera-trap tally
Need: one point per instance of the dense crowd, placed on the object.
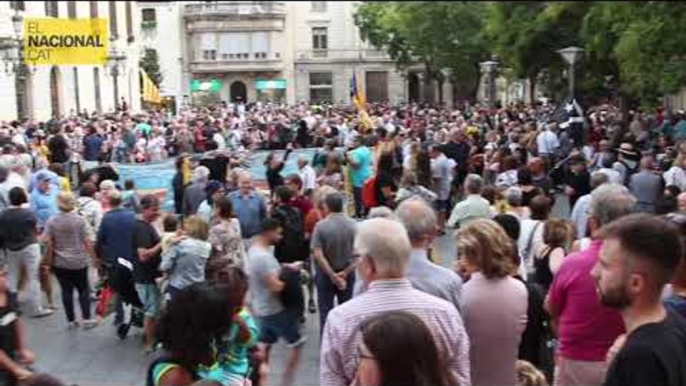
(568, 230)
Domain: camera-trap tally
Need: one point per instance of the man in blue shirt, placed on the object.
(360, 160)
(43, 201)
(114, 241)
(92, 145)
(249, 206)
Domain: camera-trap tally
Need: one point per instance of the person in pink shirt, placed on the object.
(586, 329)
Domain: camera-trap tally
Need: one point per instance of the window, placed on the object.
(129, 22)
(209, 54)
(321, 87)
(320, 40)
(17, 5)
(113, 19)
(51, 9)
(75, 71)
(94, 9)
(149, 15)
(319, 6)
(376, 86)
(71, 9)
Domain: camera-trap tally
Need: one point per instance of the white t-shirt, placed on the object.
(309, 177)
(547, 142)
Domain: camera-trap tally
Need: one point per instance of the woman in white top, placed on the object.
(676, 175)
(531, 230)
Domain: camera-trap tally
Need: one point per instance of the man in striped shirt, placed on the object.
(383, 249)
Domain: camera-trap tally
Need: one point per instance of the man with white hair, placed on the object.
(384, 249)
(307, 175)
(194, 194)
(249, 206)
(420, 222)
(473, 206)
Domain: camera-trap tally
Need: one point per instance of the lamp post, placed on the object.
(115, 61)
(571, 55)
(12, 50)
(488, 69)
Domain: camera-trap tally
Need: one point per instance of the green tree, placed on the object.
(150, 63)
(526, 35)
(439, 35)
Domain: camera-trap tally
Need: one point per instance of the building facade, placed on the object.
(265, 51)
(42, 92)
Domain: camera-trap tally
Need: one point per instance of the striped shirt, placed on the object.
(342, 329)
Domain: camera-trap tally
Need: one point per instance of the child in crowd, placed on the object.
(130, 197)
(185, 259)
(170, 224)
(236, 359)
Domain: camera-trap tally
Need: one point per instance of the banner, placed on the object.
(50, 41)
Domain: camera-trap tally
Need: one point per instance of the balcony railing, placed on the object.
(237, 8)
(341, 55)
(213, 56)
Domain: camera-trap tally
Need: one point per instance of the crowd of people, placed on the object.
(589, 293)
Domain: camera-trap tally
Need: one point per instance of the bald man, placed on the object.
(249, 206)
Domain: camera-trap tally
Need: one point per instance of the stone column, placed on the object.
(420, 78)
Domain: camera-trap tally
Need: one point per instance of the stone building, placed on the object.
(42, 92)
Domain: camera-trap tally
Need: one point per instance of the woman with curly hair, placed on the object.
(188, 329)
(493, 303)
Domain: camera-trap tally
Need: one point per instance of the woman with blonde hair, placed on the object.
(185, 260)
(493, 303)
(68, 251)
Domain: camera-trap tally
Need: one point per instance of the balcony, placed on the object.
(341, 55)
(235, 9)
(237, 62)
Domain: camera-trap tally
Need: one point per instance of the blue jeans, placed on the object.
(326, 292)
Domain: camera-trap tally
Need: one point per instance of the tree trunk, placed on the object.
(440, 81)
(532, 88)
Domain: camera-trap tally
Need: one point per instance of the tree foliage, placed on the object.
(636, 49)
(439, 35)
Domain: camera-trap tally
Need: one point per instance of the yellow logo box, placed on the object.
(50, 41)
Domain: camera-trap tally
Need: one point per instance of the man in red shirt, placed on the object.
(586, 328)
(300, 201)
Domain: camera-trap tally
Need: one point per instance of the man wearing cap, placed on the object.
(43, 200)
(627, 164)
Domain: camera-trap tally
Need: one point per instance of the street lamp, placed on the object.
(12, 53)
(488, 68)
(571, 55)
(116, 61)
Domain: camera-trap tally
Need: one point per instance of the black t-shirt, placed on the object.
(384, 180)
(654, 354)
(58, 147)
(145, 236)
(17, 228)
(458, 152)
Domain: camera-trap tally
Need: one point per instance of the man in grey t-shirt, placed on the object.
(332, 246)
(273, 319)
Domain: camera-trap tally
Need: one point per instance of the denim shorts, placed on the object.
(151, 297)
(284, 325)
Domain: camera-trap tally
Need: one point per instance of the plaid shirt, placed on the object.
(342, 329)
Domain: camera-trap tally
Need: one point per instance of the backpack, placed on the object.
(291, 246)
(369, 193)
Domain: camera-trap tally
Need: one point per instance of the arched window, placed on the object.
(94, 9)
(71, 9)
(52, 9)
